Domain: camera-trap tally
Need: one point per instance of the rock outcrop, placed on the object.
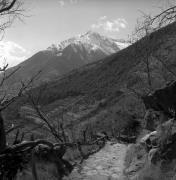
(154, 156)
(163, 99)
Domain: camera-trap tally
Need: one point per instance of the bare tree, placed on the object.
(143, 52)
(152, 23)
(147, 51)
(9, 11)
(164, 18)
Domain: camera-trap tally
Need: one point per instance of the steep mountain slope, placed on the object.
(125, 68)
(106, 94)
(67, 55)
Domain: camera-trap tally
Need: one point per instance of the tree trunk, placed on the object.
(149, 75)
(34, 168)
(2, 134)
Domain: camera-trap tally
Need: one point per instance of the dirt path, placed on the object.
(103, 165)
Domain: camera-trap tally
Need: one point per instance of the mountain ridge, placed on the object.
(60, 59)
(90, 37)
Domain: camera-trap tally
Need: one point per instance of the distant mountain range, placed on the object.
(59, 59)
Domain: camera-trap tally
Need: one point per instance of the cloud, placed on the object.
(61, 3)
(12, 53)
(109, 25)
(73, 1)
(103, 18)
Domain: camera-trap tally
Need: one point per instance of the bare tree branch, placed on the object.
(13, 128)
(4, 78)
(24, 87)
(5, 6)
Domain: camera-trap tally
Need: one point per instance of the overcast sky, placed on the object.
(51, 21)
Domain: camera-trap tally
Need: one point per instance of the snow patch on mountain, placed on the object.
(90, 42)
(122, 45)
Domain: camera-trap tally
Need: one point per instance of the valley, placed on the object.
(94, 106)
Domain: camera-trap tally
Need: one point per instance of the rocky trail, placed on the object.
(107, 164)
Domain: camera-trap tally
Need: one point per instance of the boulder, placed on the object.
(163, 99)
(153, 156)
(151, 119)
(150, 140)
(167, 133)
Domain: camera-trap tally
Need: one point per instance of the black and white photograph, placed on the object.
(87, 89)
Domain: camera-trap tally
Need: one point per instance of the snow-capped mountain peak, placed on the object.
(90, 41)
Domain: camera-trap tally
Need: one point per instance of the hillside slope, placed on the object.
(61, 58)
(121, 71)
(105, 94)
